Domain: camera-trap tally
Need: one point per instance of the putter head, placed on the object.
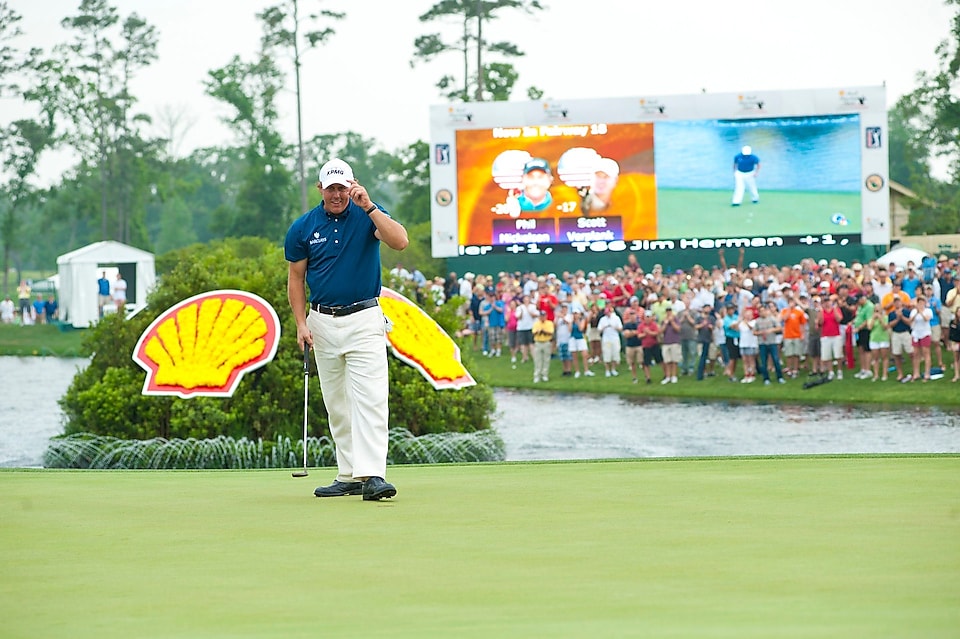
(300, 473)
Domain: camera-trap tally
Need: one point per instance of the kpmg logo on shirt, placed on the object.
(317, 239)
(874, 141)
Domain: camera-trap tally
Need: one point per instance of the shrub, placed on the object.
(105, 398)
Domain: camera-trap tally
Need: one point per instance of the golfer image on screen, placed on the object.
(745, 168)
(603, 179)
(535, 186)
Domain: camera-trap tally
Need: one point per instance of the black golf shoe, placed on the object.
(376, 488)
(340, 489)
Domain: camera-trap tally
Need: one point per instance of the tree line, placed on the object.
(130, 184)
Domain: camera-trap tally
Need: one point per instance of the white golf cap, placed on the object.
(335, 171)
(608, 166)
(746, 150)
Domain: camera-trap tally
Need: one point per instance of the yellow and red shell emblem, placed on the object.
(204, 345)
(418, 340)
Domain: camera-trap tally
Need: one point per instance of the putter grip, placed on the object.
(306, 359)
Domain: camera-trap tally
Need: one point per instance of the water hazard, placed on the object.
(540, 426)
(549, 426)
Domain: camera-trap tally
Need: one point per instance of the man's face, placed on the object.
(335, 198)
(536, 183)
(603, 184)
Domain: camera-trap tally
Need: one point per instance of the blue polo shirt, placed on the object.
(909, 286)
(901, 327)
(342, 253)
(527, 205)
(746, 163)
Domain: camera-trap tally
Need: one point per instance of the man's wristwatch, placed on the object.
(373, 207)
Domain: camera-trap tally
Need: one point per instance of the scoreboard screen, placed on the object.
(642, 174)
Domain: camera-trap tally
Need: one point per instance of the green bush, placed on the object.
(105, 398)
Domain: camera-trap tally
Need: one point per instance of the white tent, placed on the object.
(79, 271)
(901, 255)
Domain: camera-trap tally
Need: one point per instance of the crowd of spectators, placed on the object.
(24, 312)
(745, 322)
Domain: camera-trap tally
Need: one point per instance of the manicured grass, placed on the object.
(499, 372)
(707, 213)
(739, 547)
(41, 339)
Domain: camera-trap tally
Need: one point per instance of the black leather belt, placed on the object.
(349, 309)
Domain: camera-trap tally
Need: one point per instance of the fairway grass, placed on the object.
(860, 546)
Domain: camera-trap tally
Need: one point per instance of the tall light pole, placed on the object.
(296, 70)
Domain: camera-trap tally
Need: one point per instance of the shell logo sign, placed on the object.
(418, 340)
(205, 344)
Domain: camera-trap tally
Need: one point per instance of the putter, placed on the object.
(306, 395)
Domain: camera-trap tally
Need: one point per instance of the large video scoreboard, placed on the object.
(658, 174)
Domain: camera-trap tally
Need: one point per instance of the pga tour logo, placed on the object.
(441, 154)
(874, 141)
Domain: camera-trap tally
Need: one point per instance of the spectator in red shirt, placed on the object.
(547, 302)
(649, 331)
(622, 291)
(831, 340)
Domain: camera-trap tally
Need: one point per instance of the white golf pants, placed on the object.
(742, 181)
(351, 354)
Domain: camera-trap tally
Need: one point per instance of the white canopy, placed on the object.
(901, 255)
(79, 271)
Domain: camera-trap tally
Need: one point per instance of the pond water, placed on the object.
(541, 426)
(550, 426)
(29, 413)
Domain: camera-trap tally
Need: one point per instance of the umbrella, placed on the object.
(901, 255)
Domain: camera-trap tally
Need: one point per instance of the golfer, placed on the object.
(334, 250)
(745, 168)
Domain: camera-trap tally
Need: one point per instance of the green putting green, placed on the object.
(858, 546)
(705, 214)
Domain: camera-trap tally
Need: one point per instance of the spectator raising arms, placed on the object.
(920, 334)
(610, 327)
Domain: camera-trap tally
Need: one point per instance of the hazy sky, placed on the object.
(362, 80)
